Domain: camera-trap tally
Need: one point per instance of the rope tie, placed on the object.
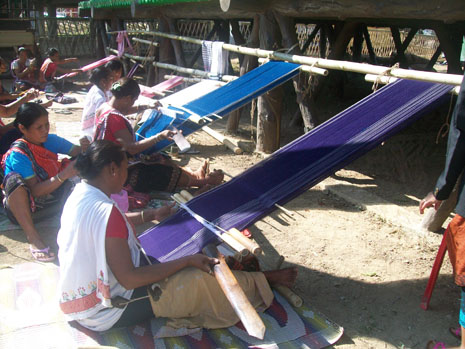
(387, 72)
(444, 129)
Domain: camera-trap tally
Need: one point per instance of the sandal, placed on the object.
(456, 332)
(46, 251)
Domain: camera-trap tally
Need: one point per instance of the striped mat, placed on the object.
(30, 318)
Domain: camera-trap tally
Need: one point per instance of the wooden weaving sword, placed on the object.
(228, 283)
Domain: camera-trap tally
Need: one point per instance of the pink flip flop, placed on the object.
(46, 251)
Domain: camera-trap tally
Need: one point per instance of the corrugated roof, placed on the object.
(127, 3)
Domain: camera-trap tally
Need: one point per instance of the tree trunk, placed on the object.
(269, 104)
(306, 105)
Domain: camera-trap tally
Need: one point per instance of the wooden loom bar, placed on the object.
(236, 296)
(451, 79)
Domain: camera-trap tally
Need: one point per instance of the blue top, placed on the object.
(21, 164)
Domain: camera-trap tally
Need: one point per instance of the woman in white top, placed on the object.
(97, 95)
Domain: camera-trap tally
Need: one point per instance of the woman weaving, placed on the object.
(34, 177)
(100, 260)
(161, 173)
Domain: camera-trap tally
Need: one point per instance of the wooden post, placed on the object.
(238, 37)
(249, 63)
(322, 42)
(357, 45)
(399, 56)
(270, 104)
(434, 58)
(344, 33)
(52, 21)
(177, 47)
(450, 37)
(166, 52)
(197, 53)
(371, 51)
(100, 45)
(151, 68)
(310, 38)
(306, 105)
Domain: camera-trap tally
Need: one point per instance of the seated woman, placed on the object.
(100, 260)
(164, 175)
(97, 95)
(51, 66)
(32, 172)
(24, 69)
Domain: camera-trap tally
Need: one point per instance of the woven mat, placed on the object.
(30, 318)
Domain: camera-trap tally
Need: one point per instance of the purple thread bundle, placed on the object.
(295, 167)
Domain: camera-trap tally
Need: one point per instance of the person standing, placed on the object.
(455, 233)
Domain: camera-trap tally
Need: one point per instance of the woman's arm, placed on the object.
(26, 71)
(9, 110)
(75, 151)
(130, 277)
(154, 214)
(8, 96)
(126, 140)
(50, 185)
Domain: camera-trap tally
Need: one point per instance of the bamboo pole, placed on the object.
(451, 79)
(222, 139)
(148, 42)
(305, 68)
(388, 79)
(137, 58)
(195, 80)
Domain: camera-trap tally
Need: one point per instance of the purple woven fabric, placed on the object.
(295, 167)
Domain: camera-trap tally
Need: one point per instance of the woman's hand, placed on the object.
(202, 262)
(166, 134)
(69, 171)
(84, 142)
(31, 94)
(159, 214)
(428, 201)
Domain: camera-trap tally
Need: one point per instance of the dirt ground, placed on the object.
(362, 271)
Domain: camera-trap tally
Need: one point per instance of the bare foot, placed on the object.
(215, 177)
(202, 171)
(285, 277)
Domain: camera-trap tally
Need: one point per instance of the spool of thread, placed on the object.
(180, 198)
(251, 245)
(188, 196)
(235, 245)
(290, 296)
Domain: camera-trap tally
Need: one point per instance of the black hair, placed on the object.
(114, 65)
(99, 74)
(100, 154)
(125, 87)
(52, 51)
(28, 113)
